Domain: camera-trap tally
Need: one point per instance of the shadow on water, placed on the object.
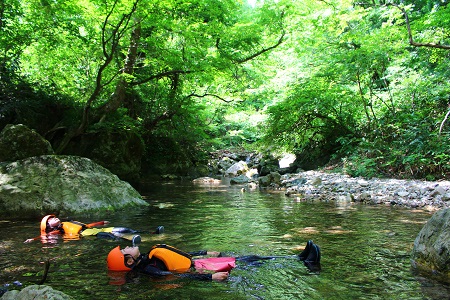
(365, 249)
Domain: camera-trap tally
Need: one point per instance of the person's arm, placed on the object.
(155, 272)
(99, 223)
(38, 237)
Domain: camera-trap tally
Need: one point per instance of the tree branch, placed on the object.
(208, 94)
(280, 40)
(160, 75)
(410, 37)
(443, 122)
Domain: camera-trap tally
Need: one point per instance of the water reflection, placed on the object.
(365, 249)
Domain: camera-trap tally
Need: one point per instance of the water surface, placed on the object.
(365, 249)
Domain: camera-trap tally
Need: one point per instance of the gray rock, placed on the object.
(62, 184)
(264, 181)
(239, 180)
(439, 190)
(237, 169)
(36, 292)
(403, 194)
(224, 164)
(432, 246)
(19, 142)
(316, 181)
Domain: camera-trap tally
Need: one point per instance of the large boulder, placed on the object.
(62, 184)
(37, 292)
(431, 247)
(19, 142)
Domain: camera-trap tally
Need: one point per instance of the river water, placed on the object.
(365, 249)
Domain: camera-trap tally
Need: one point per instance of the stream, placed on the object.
(365, 249)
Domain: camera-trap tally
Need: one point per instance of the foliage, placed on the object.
(365, 83)
(369, 98)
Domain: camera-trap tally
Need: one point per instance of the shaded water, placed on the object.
(365, 249)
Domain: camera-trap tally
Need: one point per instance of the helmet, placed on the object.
(44, 222)
(116, 260)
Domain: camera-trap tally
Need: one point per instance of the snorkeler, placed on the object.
(163, 260)
(52, 225)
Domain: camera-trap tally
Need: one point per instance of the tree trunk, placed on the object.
(120, 93)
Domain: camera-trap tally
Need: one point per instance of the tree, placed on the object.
(145, 45)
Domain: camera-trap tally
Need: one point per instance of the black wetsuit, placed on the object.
(156, 267)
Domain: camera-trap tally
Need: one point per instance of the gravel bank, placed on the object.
(317, 185)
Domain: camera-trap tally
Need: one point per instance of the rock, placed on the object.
(363, 183)
(239, 180)
(237, 169)
(273, 179)
(268, 165)
(19, 142)
(206, 180)
(62, 184)
(438, 190)
(403, 194)
(264, 181)
(36, 292)
(316, 181)
(224, 164)
(432, 246)
(364, 197)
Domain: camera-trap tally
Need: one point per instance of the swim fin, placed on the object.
(306, 251)
(159, 230)
(136, 241)
(314, 254)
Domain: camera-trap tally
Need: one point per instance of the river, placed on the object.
(365, 249)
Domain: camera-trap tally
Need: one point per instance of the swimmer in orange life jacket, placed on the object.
(161, 260)
(51, 225)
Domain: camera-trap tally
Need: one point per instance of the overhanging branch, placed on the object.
(280, 40)
(410, 37)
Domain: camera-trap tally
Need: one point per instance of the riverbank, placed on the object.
(326, 186)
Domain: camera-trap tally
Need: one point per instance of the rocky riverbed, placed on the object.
(324, 186)
(255, 172)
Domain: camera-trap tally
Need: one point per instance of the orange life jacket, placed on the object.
(72, 227)
(174, 259)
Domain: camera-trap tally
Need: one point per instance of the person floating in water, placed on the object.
(164, 260)
(52, 226)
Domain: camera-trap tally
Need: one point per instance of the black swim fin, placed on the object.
(314, 254)
(159, 230)
(306, 251)
(136, 240)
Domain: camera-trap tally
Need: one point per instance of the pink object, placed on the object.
(216, 264)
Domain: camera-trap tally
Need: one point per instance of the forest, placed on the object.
(357, 86)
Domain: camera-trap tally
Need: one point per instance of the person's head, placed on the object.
(122, 259)
(50, 222)
(54, 222)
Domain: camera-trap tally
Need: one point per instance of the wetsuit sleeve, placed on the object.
(196, 276)
(155, 268)
(155, 272)
(198, 253)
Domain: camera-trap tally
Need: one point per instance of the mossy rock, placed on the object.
(62, 184)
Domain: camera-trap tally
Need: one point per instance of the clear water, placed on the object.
(365, 249)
